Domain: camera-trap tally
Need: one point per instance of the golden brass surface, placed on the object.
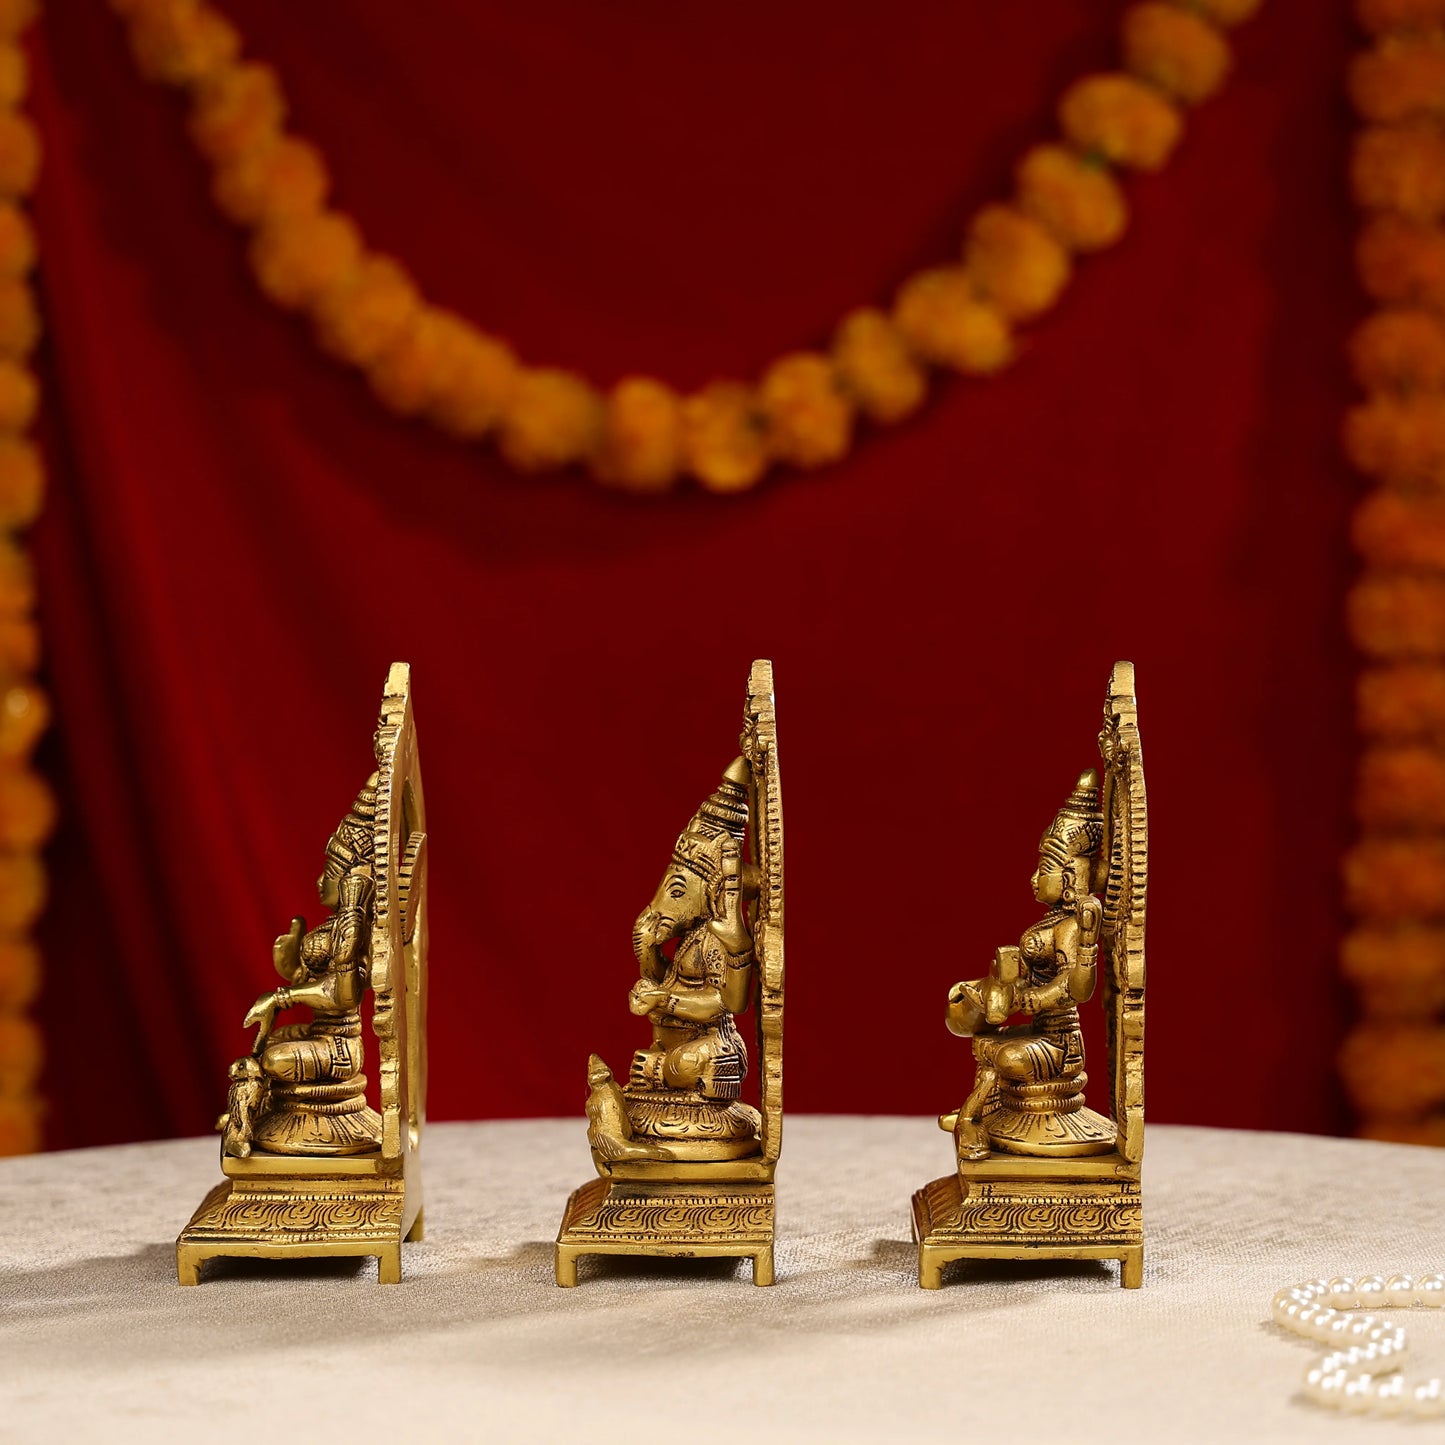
(686, 1167)
(1039, 1174)
(310, 1167)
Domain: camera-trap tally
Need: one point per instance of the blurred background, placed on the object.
(240, 534)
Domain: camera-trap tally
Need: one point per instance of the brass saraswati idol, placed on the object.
(685, 1166)
(311, 1168)
(1039, 1174)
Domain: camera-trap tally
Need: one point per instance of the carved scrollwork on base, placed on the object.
(608, 1216)
(288, 1216)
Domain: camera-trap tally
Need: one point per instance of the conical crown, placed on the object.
(1078, 827)
(723, 814)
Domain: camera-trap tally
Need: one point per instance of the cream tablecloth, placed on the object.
(98, 1342)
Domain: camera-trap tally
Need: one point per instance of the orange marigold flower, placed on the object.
(16, 16)
(1401, 261)
(358, 321)
(27, 809)
(22, 482)
(551, 419)
(1400, 168)
(285, 179)
(407, 373)
(19, 319)
(19, 397)
(641, 446)
(723, 437)
(1402, 78)
(1404, 701)
(297, 258)
(17, 242)
(19, 154)
(1401, 787)
(1400, 972)
(1183, 55)
(1397, 617)
(943, 319)
(1076, 198)
(1014, 262)
(14, 74)
(1121, 119)
(1380, 15)
(1394, 1068)
(1399, 441)
(1396, 880)
(24, 717)
(17, 581)
(875, 365)
(442, 366)
(22, 891)
(1399, 351)
(810, 420)
(19, 643)
(238, 109)
(21, 1053)
(20, 1132)
(19, 973)
(1392, 530)
(478, 383)
(181, 42)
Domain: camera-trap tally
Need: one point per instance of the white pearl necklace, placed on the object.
(1362, 1370)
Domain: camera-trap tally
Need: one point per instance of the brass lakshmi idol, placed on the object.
(685, 1166)
(311, 1168)
(1041, 1176)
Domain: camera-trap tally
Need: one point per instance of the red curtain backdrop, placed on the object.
(239, 541)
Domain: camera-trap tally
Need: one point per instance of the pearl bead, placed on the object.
(1360, 1326)
(1340, 1326)
(1371, 1290)
(1320, 1325)
(1331, 1388)
(1426, 1398)
(1400, 1290)
(1358, 1394)
(1390, 1395)
(1342, 1292)
(1430, 1290)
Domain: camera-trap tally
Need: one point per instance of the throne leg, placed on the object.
(1131, 1272)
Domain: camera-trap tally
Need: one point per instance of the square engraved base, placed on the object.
(1011, 1207)
(688, 1219)
(259, 1212)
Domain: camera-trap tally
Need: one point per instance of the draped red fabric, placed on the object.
(239, 540)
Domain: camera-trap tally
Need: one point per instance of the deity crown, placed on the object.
(724, 814)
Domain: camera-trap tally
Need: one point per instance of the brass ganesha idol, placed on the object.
(685, 1165)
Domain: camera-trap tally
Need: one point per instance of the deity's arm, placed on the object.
(737, 984)
(696, 1006)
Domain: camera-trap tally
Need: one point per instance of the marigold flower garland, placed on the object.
(1393, 1062)
(423, 361)
(27, 809)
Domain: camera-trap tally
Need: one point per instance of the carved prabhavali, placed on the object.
(1038, 1172)
(311, 1167)
(707, 945)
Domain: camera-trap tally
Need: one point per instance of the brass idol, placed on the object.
(311, 1168)
(685, 1166)
(1040, 1175)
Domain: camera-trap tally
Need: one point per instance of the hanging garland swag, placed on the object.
(1393, 1061)
(422, 360)
(27, 808)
